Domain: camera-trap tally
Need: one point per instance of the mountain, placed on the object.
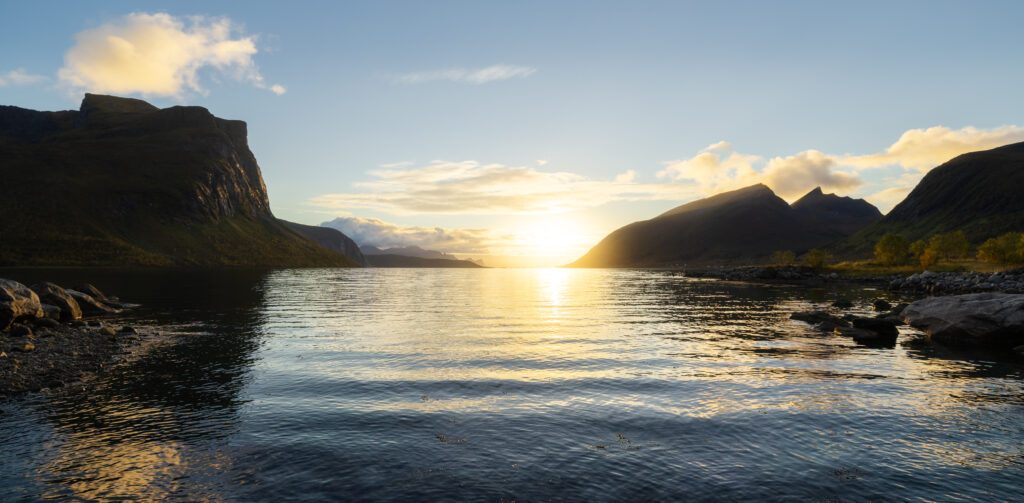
(745, 225)
(408, 251)
(122, 182)
(332, 239)
(407, 261)
(981, 193)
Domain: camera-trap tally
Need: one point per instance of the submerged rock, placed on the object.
(980, 319)
(843, 304)
(881, 305)
(57, 296)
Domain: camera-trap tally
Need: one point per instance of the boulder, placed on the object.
(978, 319)
(868, 337)
(881, 326)
(17, 302)
(881, 305)
(843, 304)
(818, 317)
(89, 304)
(51, 312)
(47, 323)
(57, 296)
(92, 291)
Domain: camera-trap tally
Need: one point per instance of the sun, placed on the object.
(560, 239)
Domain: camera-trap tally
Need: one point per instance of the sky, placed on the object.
(523, 132)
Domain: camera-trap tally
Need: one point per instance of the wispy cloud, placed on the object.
(20, 77)
(469, 75)
(471, 187)
(160, 55)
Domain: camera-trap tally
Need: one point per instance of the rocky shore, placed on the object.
(950, 283)
(51, 336)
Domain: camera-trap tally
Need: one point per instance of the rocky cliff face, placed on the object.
(741, 226)
(123, 182)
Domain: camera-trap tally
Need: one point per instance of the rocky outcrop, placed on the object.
(17, 302)
(980, 319)
(121, 182)
(53, 295)
(869, 331)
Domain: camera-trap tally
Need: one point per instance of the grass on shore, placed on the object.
(869, 268)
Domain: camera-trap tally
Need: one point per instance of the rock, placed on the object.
(127, 330)
(89, 304)
(47, 323)
(812, 316)
(105, 330)
(17, 302)
(77, 323)
(831, 325)
(91, 291)
(51, 312)
(881, 326)
(843, 304)
(979, 319)
(869, 337)
(26, 347)
(19, 330)
(57, 296)
(94, 323)
(881, 305)
(1019, 350)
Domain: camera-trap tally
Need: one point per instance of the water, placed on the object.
(502, 385)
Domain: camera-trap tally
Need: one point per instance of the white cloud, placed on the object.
(19, 77)
(470, 187)
(160, 55)
(924, 149)
(278, 89)
(469, 75)
(371, 231)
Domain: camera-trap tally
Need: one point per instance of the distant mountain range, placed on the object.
(743, 225)
(122, 182)
(412, 256)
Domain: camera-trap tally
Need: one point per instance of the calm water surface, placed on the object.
(526, 385)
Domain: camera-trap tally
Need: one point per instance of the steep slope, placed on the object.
(121, 182)
(981, 193)
(332, 239)
(740, 226)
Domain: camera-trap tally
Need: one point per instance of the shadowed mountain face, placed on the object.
(981, 193)
(388, 260)
(121, 182)
(407, 251)
(329, 238)
(745, 225)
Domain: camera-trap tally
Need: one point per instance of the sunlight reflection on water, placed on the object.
(516, 384)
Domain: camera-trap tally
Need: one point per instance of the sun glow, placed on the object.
(554, 240)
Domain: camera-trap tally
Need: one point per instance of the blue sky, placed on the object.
(600, 97)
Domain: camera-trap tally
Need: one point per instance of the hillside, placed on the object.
(741, 226)
(121, 182)
(979, 193)
(329, 238)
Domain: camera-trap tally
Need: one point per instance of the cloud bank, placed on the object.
(469, 75)
(160, 55)
(471, 187)
(923, 149)
(371, 231)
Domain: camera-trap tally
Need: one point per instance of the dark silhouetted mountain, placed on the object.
(329, 238)
(741, 226)
(980, 193)
(407, 261)
(121, 182)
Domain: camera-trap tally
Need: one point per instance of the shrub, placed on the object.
(783, 257)
(1005, 249)
(892, 249)
(817, 259)
(929, 257)
(951, 245)
(918, 247)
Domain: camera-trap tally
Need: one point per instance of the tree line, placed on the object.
(894, 249)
